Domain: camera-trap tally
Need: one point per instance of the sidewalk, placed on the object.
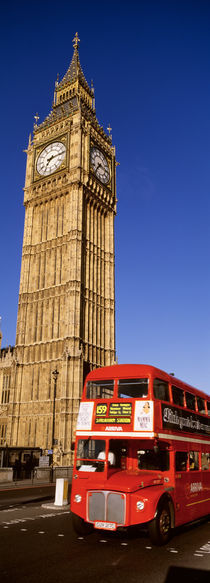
(25, 492)
(24, 484)
(28, 491)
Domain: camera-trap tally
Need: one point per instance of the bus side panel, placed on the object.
(192, 495)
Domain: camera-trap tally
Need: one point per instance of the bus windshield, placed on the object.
(123, 454)
(90, 455)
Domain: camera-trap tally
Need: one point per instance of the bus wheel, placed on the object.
(160, 526)
(80, 526)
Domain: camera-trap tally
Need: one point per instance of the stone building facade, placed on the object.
(6, 369)
(66, 311)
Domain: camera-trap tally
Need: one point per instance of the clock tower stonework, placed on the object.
(66, 311)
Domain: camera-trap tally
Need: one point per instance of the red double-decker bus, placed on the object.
(142, 452)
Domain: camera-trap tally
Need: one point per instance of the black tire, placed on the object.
(80, 526)
(160, 526)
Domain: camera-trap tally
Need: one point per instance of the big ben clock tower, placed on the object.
(66, 312)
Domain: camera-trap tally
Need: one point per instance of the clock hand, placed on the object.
(99, 165)
(49, 159)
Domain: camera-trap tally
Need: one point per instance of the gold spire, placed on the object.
(74, 71)
(76, 41)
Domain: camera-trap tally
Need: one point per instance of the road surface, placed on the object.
(38, 545)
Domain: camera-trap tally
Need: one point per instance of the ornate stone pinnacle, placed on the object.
(76, 41)
(36, 117)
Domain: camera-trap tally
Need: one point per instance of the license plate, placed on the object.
(105, 525)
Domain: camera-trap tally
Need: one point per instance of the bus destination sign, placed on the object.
(118, 413)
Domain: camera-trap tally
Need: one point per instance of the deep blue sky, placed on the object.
(150, 63)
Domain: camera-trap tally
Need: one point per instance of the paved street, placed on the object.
(38, 544)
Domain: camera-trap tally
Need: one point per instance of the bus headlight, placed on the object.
(77, 498)
(140, 505)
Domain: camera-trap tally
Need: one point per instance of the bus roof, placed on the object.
(138, 370)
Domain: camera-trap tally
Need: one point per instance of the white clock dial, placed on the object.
(51, 158)
(99, 165)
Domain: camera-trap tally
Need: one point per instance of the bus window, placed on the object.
(190, 401)
(178, 396)
(201, 405)
(90, 455)
(161, 390)
(100, 389)
(194, 460)
(132, 388)
(205, 461)
(148, 459)
(181, 461)
(208, 408)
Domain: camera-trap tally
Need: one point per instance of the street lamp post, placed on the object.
(55, 374)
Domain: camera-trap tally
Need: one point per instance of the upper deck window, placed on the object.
(161, 390)
(208, 408)
(132, 388)
(178, 396)
(190, 401)
(201, 405)
(100, 389)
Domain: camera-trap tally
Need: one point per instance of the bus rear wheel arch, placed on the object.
(161, 526)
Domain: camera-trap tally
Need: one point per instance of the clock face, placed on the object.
(51, 158)
(99, 165)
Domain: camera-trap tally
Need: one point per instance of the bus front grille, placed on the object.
(106, 506)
